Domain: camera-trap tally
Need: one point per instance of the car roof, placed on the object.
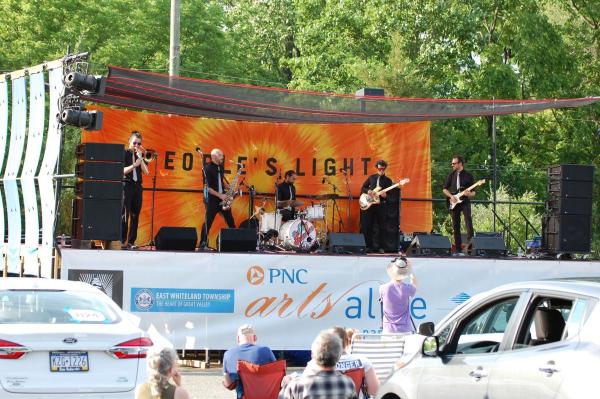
(24, 283)
(588, 286)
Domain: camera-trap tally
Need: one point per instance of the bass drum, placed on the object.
(298, 234)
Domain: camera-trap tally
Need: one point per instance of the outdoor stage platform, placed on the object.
(198, 299)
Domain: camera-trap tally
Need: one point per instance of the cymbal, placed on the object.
(292, 203)
(326, 196)
(265, 197)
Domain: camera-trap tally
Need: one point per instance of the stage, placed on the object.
(198, 299)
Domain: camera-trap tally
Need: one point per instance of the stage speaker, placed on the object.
(570, 189)
(567, 233)
(571, 172)
(488, 245)
(104, 152)
(176, 239)
(570, 206)
(430, 244)
(100, 170)
(95, 219)
(91, 189)
(237, 240)
(346, 243)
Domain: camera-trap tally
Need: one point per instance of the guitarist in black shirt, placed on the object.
(457, 181)
(377, 211)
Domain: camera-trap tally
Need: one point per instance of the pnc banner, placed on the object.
(316, 152)
(198, 300)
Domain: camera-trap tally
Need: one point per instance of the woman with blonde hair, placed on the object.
(162, 369)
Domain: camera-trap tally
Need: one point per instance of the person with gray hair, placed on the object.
(322, 380)
(162, 368)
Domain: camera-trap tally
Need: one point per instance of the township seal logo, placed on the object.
(144, 299)
(255, 275)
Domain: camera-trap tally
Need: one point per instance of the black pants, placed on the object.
(132, 205)
(465, 208)
(375, 214)
(212, 208)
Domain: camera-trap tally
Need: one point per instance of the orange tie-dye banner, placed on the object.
(268, 150)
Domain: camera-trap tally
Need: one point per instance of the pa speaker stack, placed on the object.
(98, 205)
(567, 224)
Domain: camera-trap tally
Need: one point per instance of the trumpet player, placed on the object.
(135, 167)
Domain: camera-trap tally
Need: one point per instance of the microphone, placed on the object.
(344, 170)
(241, 165)
(199, 150)
(323, 180)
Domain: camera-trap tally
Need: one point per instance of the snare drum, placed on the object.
(315, 212)
(270, 221)
(298, 234)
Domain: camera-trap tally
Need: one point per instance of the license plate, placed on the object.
(69, 361)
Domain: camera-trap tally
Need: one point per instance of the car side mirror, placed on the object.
(431, 346)
(426, 329)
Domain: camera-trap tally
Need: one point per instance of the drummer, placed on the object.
(286, 196)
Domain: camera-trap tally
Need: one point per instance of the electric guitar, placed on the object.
(365, 201)
(457, 197)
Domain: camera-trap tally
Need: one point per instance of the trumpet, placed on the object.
(147, 155)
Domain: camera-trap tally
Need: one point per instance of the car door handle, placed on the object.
(549, 368)
(477, 374)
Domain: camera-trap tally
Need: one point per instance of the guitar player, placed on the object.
(376, 213)
(458, 180)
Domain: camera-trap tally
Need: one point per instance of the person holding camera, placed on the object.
(395, 296)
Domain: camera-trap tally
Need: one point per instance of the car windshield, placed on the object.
(55, 307)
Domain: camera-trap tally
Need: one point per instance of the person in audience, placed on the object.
(247, 350)
(322, 380)
(164, 380)
(349, 361)
(395, 296)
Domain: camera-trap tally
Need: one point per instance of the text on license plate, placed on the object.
(69, 361)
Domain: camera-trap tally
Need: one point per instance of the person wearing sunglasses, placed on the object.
(458, 180)
(395, 296)
(135, 167)
(376, 214)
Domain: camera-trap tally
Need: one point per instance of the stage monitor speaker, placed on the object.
(567, 233)
(430, 244)
(95, 219)
(346, 243)
(91, 189)
(488, 245)
(176, 239)
(104, 152)
(237, 240)
(100, 171)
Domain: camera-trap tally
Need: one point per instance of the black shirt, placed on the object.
(465, 179)
(286, 191)
(214, 173)
(128, 160)
(371, 183)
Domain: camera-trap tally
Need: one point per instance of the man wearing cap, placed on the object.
(395, 296)
(376, 213)
(246, 350)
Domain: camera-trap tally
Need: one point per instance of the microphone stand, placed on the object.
(335, 207)
(152, 243)
(205, 196)
(349, 192)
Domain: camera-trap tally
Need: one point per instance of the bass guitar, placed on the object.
(365, 201)
(456, 198)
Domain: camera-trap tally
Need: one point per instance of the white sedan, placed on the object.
(62, 337)
(525, 340)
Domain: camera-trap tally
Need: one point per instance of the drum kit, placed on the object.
(305, 232)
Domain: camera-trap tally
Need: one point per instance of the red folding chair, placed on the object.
(261, 381)
(358, 377)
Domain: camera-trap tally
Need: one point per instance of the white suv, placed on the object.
(529, 340)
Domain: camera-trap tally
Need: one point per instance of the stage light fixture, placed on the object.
(89, 120)
(92, 84)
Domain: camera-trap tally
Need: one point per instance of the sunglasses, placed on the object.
(137, 143)
(454, 163)
(400, 262)
(381, 168)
